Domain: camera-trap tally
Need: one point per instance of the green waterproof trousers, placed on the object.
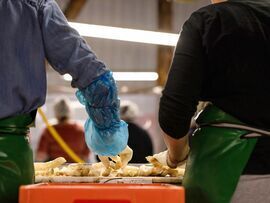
(16, 157)
(219, 152)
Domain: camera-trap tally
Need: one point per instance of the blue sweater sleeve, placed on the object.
(65, 49)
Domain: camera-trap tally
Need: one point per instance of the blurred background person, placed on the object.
(71, 132)
(139, 139)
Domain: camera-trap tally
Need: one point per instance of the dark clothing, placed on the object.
(223, 56)
(32, 30)
(140, 142)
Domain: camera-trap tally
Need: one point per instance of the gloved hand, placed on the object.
(105, 133)
(121, 161)
(164, 159)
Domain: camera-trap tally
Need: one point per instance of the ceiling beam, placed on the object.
(165, 53)
(73, 8)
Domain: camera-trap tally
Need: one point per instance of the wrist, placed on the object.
(173, 161)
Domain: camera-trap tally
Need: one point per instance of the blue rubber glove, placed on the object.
(105, 133)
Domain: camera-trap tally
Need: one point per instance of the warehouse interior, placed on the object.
(134, 101)
(123, 56)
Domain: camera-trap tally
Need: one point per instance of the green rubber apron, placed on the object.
(220, 149)
(16, 157)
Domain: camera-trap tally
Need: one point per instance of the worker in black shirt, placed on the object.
(139, 139)
(222, 56)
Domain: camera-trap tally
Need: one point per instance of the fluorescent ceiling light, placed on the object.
(127, 76)
(135, 76)
(125, 34)
(67, 77)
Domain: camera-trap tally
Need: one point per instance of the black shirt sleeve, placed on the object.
(181, 93)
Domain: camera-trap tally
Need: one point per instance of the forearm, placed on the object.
(106, 134)
(177, 148)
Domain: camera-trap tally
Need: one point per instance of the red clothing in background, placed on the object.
(72, 134)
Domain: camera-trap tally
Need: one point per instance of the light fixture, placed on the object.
(67, 77)
(135, 76)
(125, 34)
(127, 76)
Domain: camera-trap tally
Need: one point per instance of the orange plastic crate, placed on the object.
(101, 193)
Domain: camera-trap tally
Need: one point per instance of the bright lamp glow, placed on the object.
(127, 76)
(125, 34)
(135, 76)
(67, 77)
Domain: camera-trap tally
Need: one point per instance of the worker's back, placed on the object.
(72, 134)
(22, 70)
(236, 39)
